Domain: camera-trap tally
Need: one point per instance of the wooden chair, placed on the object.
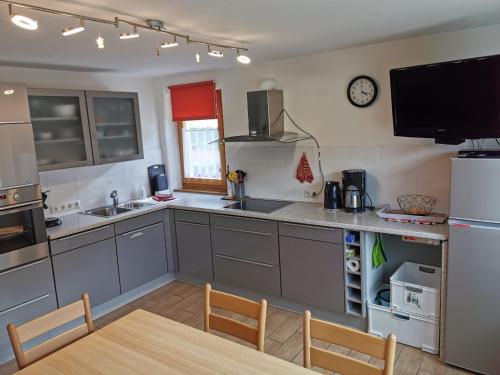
(238, 305)
(348, 338)
(45, 323)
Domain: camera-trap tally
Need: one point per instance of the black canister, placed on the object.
(333, 195)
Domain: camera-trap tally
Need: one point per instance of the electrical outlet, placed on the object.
(310, 194)
(64, 207)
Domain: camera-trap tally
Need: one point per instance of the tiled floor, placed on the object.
(184, 303)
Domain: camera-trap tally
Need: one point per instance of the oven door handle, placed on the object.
(20, 207)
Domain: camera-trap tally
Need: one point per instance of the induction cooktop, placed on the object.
(258, 205)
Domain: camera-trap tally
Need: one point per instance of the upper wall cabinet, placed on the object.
(60, 128)
(115, 126)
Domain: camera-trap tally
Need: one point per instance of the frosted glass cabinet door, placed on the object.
(60, 128)
(115, 126)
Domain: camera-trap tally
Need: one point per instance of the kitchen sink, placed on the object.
(107, 211)
(135, 205)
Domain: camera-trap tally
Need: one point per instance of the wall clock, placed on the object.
(362, 91)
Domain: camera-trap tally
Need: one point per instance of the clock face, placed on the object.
(362, 91)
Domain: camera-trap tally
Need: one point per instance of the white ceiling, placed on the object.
(271, 29)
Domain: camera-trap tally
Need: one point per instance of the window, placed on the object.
(202, 162)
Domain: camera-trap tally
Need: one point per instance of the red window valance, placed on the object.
(193, 101)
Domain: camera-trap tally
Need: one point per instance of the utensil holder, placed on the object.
(238, 190)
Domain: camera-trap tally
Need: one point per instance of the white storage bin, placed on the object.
(410, 329)
(415, 288)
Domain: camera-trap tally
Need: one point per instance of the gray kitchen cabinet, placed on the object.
(170, 240)
(115, 126)
(25, 283)
(312, 272)
(142, 256)
(245, 238)
(23, 313)
(92, 268)
(61, 128)
(246, 274)
(26, 292)
(194, 250)
(75, 241)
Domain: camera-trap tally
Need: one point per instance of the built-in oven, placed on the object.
(23, 236)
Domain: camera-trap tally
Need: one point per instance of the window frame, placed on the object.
(202, 184)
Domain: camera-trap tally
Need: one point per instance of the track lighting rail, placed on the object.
(116, 23)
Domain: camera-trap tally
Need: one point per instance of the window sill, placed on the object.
(201, 191)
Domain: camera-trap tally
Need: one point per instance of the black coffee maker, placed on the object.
(354, 185)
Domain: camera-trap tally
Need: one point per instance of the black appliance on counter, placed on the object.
(158, 181)
(354, 184)
(333, 195)
(49, 221)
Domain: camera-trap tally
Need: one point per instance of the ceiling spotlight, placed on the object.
(22, 21)
(9, 92)
(243, 59)
(170, 44)
(197, 57)
(100, 41)
(73, 30)
(131, 35)
(214, 52)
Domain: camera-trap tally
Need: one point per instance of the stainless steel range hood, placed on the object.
(266, 120)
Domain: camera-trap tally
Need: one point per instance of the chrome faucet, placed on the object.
(114, 195)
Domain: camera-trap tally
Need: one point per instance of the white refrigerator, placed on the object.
(472, 338)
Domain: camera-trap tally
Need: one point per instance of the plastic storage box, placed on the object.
(410, 329)
(415, 288)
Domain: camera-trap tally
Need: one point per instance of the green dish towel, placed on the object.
(378, 255)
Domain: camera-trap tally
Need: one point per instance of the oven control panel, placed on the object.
(21, 194)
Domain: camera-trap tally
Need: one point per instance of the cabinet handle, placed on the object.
(244, 231)
(193, 224)
(138, 234)
(246, 218)
(84, 233)
(245, 261)
(24, 304)
(311, 226)
(25, 266)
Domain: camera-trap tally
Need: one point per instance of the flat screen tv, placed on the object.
(449, 101)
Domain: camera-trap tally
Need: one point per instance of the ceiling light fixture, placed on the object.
(9, 92)
(73, 30)
(214, 49)
(22, 21)
(100, 41)
(131, 35)
(215, 52)
(243, 59)
(170, 44)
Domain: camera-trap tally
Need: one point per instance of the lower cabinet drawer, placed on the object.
(22, 284)
(259, 277)
(23, 313)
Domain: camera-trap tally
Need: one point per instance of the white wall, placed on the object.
(315, 95)
(92, 185)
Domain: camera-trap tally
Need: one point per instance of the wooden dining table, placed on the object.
(146, 343)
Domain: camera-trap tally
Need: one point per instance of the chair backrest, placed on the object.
(28, 331)
(240, 306)
(348, 338)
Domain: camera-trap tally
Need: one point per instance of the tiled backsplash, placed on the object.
(391, 170)
(93, 185)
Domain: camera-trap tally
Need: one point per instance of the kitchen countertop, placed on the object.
(297, 212)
